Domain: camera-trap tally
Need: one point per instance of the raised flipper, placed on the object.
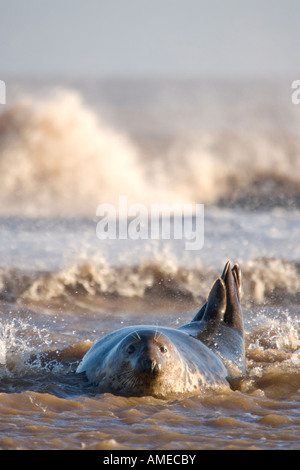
(233, 316)
(200, 313)
(233, 281)
(219, 322)
(211, 316)
(214, 311)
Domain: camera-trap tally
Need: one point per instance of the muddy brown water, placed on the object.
(44, 405)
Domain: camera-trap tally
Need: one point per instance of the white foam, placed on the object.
(58, 157)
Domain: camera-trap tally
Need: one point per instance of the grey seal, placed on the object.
(165, 362)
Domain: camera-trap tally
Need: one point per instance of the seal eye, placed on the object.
(163, 349)
(131, 349)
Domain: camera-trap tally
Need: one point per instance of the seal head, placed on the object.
(145, 358)
(147, 353)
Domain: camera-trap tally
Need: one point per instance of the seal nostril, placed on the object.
(150, 366)
(156, 369)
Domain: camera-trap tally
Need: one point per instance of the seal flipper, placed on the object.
(215, 308)
(223, 334)
(232, 279)
(199, 315)
(212, 314)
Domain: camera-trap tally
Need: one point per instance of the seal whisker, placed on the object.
(136, 336)
(157, 335)
(124, 373)
(128, 379)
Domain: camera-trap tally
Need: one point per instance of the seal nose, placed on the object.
(150, 366)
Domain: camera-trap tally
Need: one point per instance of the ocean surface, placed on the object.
(68, 146)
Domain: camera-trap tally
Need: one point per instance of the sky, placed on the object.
(150, 38)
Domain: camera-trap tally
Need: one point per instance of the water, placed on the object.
(63, 153)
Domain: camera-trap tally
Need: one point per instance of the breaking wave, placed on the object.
(267, 281)
(57, 157)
